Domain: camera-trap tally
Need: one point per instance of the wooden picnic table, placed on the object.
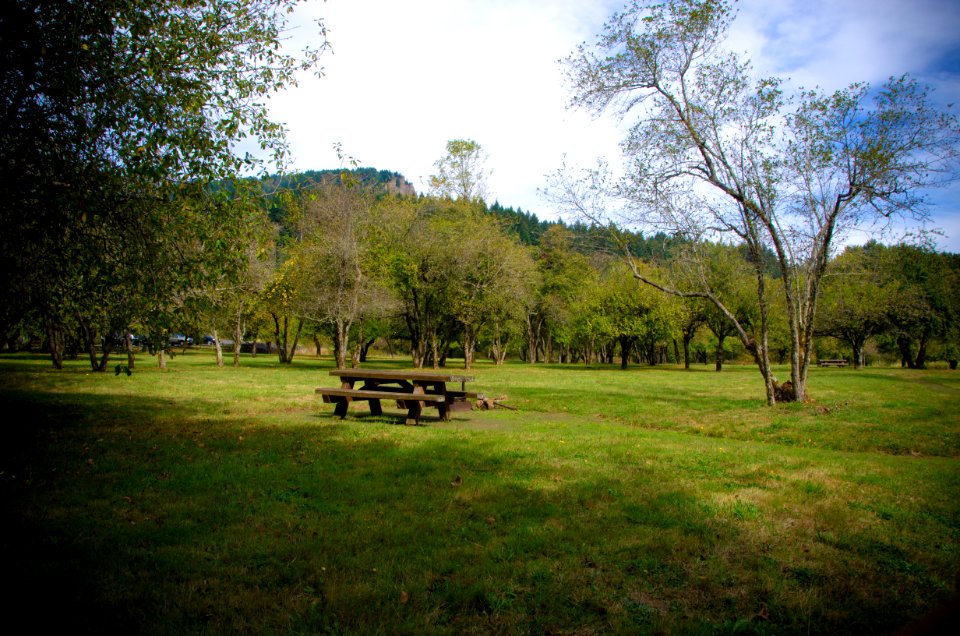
(832, 363)
(411, 390)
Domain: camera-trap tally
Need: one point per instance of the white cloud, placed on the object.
(406, 77)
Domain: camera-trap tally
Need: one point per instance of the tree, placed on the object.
(491, 273)
(460, 173)
(237, 303)
(117, 116)
(336, 283)
(922, 288)
(692, 318)
(418, 246)
(857, 301)
(563, 276)
(622, 310)
(723, 270)
(713, 152)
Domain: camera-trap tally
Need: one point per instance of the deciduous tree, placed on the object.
(116, 118)
(461, 173)
(337, 285)
(713, 151)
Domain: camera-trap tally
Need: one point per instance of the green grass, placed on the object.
(205, 500)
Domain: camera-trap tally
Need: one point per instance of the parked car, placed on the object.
(180, 340)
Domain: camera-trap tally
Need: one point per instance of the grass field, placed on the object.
(653, 500)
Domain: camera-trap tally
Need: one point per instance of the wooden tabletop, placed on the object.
(391, 374)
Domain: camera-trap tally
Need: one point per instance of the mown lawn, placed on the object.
(656, 500)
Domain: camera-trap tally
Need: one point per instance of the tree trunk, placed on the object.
(533, 337)
(858, 346)
(285, 349)
(435, 349)
(55, 339)
(686, 351)
(469, 346)
(97, 364)
(280, 331)
(906, 356)
(762, 352)
(626, 344)
(296, 340)
(237, 337)
(219, 348)
(355, 355)
(162, 359)
(358, 345)
(131, 357)
(444, 354)
(720, 357)
(499, 345)
(418, 341)
(365, 349)
(341, 344)
(921, 360)
(88, 345)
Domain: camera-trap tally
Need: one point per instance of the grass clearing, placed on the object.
(652, 500)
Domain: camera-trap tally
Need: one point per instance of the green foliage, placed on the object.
(118, 117)
(460, 173)
(621, 310)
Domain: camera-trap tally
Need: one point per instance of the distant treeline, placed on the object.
(526, 226)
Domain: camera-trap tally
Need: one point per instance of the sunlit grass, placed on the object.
(654, 499)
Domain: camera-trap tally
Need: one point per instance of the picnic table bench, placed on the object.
(832, 363)
(412, 390)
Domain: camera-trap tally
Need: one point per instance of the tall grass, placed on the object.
(653, 500)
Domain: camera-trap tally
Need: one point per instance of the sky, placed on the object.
(404, 77)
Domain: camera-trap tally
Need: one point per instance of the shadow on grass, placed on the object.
(142, 517)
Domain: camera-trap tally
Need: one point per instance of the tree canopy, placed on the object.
(116, 117)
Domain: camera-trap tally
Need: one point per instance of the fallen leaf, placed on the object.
(456, 481)
(404, 598)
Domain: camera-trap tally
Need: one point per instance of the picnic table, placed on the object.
(832, 363)
(412, 390)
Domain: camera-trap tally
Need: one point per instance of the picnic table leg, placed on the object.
(342, 403)
(375, 408)
(444, 407)
(414, 407)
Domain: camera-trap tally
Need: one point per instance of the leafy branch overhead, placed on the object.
(117, 118)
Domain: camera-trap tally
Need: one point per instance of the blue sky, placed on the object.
(403, 78)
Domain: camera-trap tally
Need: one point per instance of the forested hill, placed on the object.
(392, 182)
(526, 226)
(586, 238)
